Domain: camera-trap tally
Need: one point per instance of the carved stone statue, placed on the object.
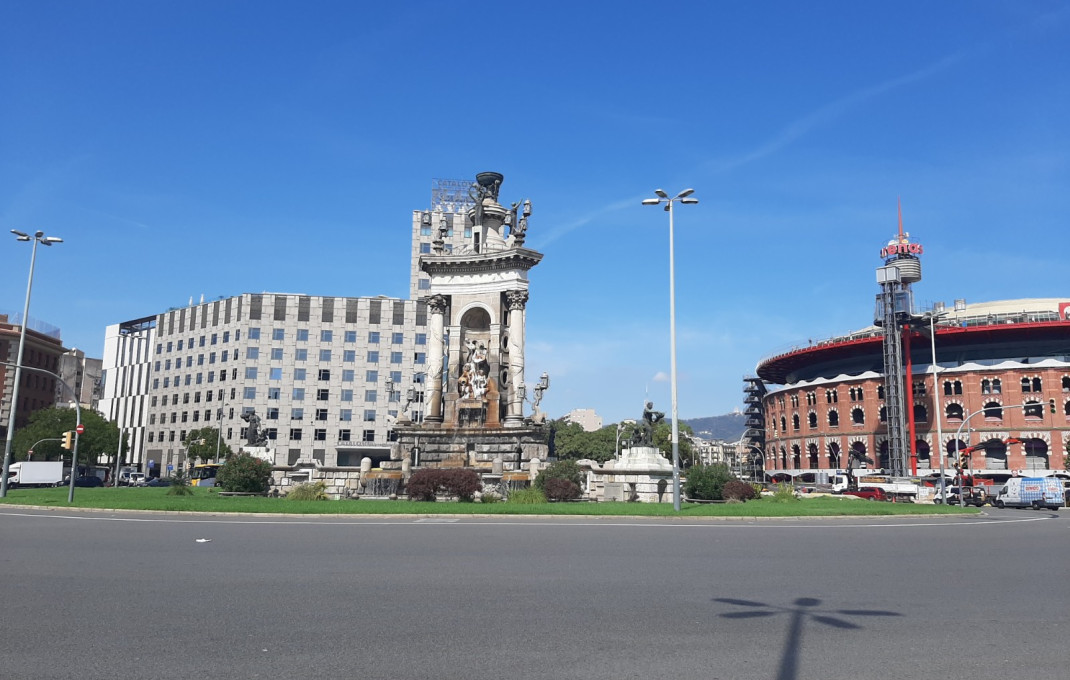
(254, 436)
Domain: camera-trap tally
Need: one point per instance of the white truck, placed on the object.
(902, 490)
(1031, 492)
(36, 473)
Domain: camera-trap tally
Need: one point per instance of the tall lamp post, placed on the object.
(38, 237)
(684, 197)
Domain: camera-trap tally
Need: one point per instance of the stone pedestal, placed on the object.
(642, 474)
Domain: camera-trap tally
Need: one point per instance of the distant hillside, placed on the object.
(728, 427)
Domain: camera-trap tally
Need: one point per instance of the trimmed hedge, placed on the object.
(428, 484)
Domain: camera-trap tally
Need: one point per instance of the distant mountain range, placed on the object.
(729, 427)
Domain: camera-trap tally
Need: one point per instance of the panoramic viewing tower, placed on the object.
(895, 304)
(476, 301)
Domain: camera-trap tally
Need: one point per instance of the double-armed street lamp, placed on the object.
(683, 197)
(38, 237)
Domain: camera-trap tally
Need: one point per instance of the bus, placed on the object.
(204, 474)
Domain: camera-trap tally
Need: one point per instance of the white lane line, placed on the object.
(513, 521)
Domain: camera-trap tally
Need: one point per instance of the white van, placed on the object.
(1031, 492)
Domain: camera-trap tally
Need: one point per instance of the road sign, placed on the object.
(170, 468)
(80, 429)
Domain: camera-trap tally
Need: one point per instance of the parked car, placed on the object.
(156, 481)
(88, 480)
(975, 496)
(137, 479)
(869, 493)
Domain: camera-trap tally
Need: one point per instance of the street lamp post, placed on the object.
(933, 315)
(684, 197)
(38, 237)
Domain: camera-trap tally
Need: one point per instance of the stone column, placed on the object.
(436, 305)
(516, 301)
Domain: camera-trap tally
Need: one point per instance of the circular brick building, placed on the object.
(1002, 386)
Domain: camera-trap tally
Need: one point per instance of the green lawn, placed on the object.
(207, 500)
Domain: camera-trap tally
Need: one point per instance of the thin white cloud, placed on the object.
(560, 231)
(834, 110)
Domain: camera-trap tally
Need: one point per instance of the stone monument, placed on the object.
(476, 307)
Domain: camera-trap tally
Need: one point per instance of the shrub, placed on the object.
(562, 469)
(490, 497)
(528, 496)
(557, 489)
(706, 482)
(244, 473)
(179, 485)
(316, 491)
(784, 493)
(738, 491)
(427, 484)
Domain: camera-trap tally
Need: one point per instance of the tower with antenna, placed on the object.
(895, 304)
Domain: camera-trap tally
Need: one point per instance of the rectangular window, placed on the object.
(397, 338)
(349, 356)
(226, 355)
(273, 414)
(425, 248)
(424, 284)
(343, 435)
(326, 336)
(347, 375)
(297, 414)
(320, 435)
(395, 357)
(300, 373)
(274, 392)
(396, 377)
(226, 336)
(325, 374)
(373, 338)
(321, 414)
(250, 372)
(345, 414)
(347, 395)
(373, 356)
(369, 415)
(200, 360)
(325, 355)
(420, 358)
(278, 334)
(369, 435)
(275, 374)
(254, 333)
(323, 395)
(421, 338)
(299, 394)
(211, 358)
(301, 355)
(302, 335)
(369, 396)
(276, 354)
(295, 434)
(350, 336)
(372, 376)
(250, 393)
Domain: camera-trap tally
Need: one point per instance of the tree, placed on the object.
(707, 482)
(571, 442)
(663, 440)
(101, 437)
(244, 473)
(1066, 456)
(202, 443)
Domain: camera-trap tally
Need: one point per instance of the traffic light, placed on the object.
(68, 440)
(1051, 405)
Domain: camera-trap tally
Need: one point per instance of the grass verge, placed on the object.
(206, 500)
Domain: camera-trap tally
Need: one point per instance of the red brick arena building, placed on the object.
(1002, 386)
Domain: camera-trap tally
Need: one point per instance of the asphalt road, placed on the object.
(113, 595)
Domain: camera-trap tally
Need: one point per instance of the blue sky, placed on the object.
(189, 148)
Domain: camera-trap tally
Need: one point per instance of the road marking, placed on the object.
(515, 521)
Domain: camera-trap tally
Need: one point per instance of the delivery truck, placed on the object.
(1031, 492)
(35, 473)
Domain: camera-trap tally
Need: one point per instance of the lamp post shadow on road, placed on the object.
(800, 611)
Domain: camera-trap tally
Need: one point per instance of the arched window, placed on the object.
(834, 455)
(795, 421)
(952, 387)
(993, 411)
(883, 457)
(834, 417)
(831, 396)
(883, 414)
(922, 447)
(1066, 409)
(1036, 454)
(796, 457)
(1066, 383)
(783, 424)
(812, 420)
(954, 412)
(858, 416)
(812, 456)
(921, 414)
(880, 391)
(1033, 410)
